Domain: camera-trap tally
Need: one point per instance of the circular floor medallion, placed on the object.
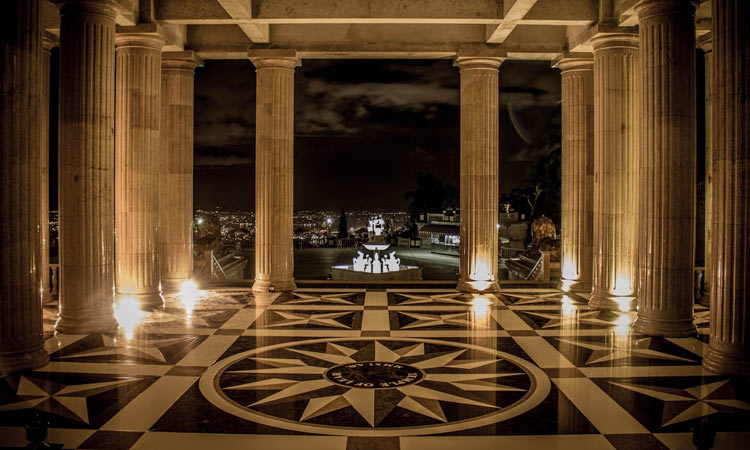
(374, 386)
(374, 375)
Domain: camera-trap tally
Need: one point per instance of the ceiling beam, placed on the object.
(241, 11)
(496, 34)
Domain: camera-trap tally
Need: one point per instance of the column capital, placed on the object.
(184, 60)
(574, 61)
(145, 35)
(604, 41)
(108, 8)
(267, 58)
(648, 8)
(705, 42)
(479, 58)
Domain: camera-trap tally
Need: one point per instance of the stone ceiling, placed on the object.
(518, 29)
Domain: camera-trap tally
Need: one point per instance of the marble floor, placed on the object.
(388, 367)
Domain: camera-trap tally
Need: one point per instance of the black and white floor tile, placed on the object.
(392, 367)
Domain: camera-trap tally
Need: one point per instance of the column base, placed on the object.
(706, 299)
(152, 300)
(26, 360)
(478, 287)
(264, 286)
(613, 302)
(726, 363)
(666, 328)
(574, 286)
(89, 321)
(171, 285)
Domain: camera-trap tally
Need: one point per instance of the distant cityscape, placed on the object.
(311, 228)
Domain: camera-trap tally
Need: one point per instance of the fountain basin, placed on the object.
(347, 273)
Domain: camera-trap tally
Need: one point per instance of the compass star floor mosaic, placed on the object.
(401, 367)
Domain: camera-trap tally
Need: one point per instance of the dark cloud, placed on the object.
(364, 129)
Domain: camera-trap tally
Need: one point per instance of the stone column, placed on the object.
(706, 44)
(21, 344)
(479, 172)
(48, 41)
(274, 169)
(137, 161)
(729, 344)
(666, 169)
(87, 96)
(176, 179)
(615, 170)
(577, 209)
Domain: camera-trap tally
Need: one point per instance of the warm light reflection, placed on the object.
(569, 271)
(480, 308)
(568, 306)
(623, 325)
(189, 295)
(622, 286)
(480, 285)
(623, 303)
(566, 284)
(128, 314)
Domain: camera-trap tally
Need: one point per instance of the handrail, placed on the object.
(215, 261)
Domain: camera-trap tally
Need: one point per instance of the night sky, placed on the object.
(364, 129)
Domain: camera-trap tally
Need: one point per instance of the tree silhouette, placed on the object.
(431, 195)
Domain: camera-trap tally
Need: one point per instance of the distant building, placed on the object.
(440, 232)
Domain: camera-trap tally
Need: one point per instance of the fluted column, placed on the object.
(615, 171)
(666, 169)
(86, 180)
(577, 72)
(137, 161)
(707, 46)
(274, 169)
(21, 344)
(479, 172)
(176, 179)
(729, 343)
(48, 41)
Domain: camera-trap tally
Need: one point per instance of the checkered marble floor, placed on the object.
(401, 367)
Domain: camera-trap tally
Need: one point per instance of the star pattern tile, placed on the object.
(320, 298)
(290, 318)
(554, 297)
(69, 400)
(449, 298)
(164, 349)
(381, 381)
(323, 362)
(413, 320)
(154, 349)
(571, 317)
(585, 351)
(681, 402)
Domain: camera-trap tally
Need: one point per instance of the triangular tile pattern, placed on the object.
(451, 343)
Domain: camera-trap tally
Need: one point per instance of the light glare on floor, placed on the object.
(189, 295)
(128, 314)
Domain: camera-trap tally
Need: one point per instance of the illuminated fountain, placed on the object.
(371, 266)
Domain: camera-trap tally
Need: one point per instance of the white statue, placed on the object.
(358, 263)
(377, 265)
(376, 226)
(393, 262)
(368, 264)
